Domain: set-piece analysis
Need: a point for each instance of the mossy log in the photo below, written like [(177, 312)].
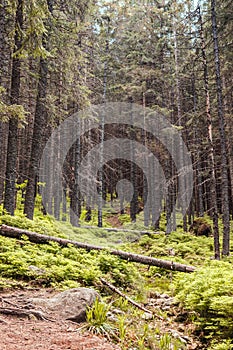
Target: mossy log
[(34, 237)]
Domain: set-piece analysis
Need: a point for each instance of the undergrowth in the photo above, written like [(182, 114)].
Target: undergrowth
[(208, 292), (51, 265), (205, 295)]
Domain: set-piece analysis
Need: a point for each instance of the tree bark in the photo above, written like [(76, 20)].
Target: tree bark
[(11, 162), (179, 117), (133, 171), (213, 194), (6, 26), (76, 203), (13, 232), (222, 132), (39, 129)]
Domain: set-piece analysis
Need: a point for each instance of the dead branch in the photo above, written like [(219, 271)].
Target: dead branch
[(131, 301)]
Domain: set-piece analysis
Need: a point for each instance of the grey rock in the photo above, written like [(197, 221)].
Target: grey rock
[(69, 305), (38, 271), (164, 296), (181, 337), (147, 316)]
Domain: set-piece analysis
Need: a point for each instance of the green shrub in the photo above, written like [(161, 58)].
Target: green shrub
[(97, 320), (97, 313), (122, 273), (225, 345), (209, 293)]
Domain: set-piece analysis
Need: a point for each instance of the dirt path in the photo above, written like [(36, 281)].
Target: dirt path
[(29, 333), (18, 333), (22, 334)]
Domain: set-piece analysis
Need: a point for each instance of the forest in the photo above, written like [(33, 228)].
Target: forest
[(116, 131)]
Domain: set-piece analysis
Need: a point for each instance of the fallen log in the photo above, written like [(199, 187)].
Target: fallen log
[(34, 237)]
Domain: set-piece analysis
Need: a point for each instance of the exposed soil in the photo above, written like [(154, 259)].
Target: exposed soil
[(114, 221), (28, 333)]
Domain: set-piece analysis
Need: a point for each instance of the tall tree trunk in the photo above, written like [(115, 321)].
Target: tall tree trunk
[(39, 129), (37, 140), (179, 116), (3, 151), (88, 194), (11, 162), (146, 182), (64, 203), (221, 119), (102, 127), (173, 170), (214, 209), (5, 79), (133, 173), (57, 193), (76, 192), (101, 174)]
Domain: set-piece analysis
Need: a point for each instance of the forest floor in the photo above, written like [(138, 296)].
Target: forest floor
[(29, 333), (114, 221), (20, 333)]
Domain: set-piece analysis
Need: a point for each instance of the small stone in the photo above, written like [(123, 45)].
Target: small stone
[(37, 270), (111, 317), (147, 316), (164, 296), (171, 252), (117, 311), (180, 337)]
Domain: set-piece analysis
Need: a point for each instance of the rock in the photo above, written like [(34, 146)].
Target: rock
[(147, 316), (70, 304), (164, 296), (38, 271), (112, 316), (183, 338), (171, 252)]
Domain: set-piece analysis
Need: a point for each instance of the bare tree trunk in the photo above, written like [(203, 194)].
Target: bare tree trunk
[(11, 162), (222, 132), (37, 140), (101, 175), (88, 194), (6, 26), (179, 115), (57, 191), (173, 171), (3, 151), (76, 192), (214, 209), (64, 203), (39, 130)]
